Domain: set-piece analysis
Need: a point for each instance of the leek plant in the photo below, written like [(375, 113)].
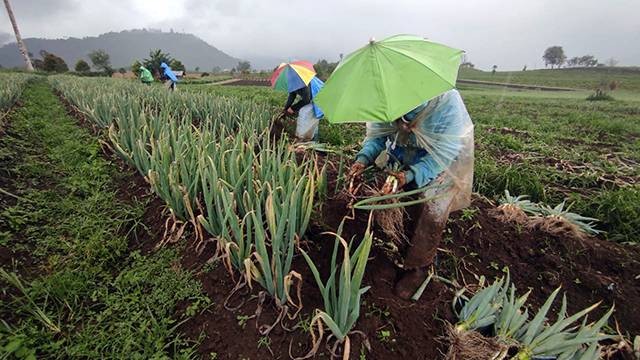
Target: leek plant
[(560, 339), (342, 291), (11, 86), (568, 337), (582, 223), (483, 308), (382, 202), (215, 164)]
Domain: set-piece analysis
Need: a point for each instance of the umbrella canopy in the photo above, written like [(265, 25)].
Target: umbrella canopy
[(386, 79), (292, 76)]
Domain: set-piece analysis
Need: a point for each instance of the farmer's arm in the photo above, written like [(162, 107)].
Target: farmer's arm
[(371, 148), (305, 99), (290, 99), (445, 134)]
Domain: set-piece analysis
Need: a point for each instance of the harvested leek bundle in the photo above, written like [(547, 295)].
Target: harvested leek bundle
[(559, 339), (560, 221), (377, 202), (504, 313), (515, 209), (479, 312)]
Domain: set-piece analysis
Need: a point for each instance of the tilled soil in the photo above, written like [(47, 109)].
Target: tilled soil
[(589, 270)]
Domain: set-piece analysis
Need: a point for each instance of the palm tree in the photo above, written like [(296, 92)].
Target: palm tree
[(21, 46)]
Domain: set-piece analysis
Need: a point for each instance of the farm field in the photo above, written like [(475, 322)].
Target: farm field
[(578, 78), (547, 145), (131, 221)]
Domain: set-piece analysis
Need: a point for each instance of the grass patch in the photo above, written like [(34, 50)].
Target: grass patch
[(106, 301)]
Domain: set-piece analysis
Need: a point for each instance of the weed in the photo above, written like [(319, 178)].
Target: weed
[(468, 213), (242, 320), (384, 336), (265, 342)]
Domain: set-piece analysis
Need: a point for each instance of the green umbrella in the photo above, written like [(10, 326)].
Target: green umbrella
[(386, 79)]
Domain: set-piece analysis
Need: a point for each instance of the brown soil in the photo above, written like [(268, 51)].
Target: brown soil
[(589, 270)]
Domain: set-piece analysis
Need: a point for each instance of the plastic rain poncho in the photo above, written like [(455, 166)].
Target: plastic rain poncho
[(168, 72), (316, 85), (438, 150), (145, 75)]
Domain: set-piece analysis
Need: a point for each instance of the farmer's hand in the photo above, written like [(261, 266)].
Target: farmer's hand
[(356, 169), (290, 111), (395, 182)]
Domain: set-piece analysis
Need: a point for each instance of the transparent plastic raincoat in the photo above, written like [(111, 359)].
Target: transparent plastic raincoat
[(438, 151)]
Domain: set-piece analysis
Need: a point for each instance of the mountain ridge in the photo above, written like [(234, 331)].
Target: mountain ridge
[(124, 47)]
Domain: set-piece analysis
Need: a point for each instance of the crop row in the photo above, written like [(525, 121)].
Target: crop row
[(11, 86), (218, 167)]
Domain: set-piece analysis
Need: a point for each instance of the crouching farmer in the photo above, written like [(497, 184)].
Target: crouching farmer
[(431, 147)]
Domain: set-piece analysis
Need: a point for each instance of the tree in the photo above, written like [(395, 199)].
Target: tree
[(494, 68), (554, 55), (156, 57), (588, 61), (574, 61), (21, 46), (243, 67), (53, 63), (135, 67), (176, 65), (38, 64), (101, 61), (82, 66), (324, 68), (612, 62), (197, 68), (216, 70), (122, 71), (524, 68)]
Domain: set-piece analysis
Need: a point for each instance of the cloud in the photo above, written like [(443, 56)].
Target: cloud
[(42, 8), (508, 33)]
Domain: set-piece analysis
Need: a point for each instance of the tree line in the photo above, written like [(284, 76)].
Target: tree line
[(555, 56), (101, 63)]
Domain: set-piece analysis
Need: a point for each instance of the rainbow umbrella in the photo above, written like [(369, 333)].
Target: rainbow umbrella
[(292, 76)]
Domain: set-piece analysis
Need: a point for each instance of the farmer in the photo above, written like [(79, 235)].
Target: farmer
[(308, 112), (430, 147), (145, 76), (170, 79), (305, 98)]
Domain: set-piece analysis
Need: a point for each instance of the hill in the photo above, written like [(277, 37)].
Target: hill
[(628, 78), (124, 47)]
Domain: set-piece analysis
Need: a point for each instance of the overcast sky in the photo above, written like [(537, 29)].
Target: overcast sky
[(508, 33)]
